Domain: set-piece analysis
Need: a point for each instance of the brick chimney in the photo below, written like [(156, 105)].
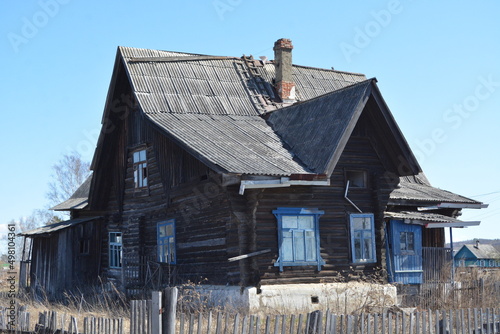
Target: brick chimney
[(283, 65)]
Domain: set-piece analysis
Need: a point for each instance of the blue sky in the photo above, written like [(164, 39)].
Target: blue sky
[(437, 65)]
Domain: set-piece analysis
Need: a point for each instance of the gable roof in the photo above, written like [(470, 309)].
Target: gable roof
[(78, 200), (318, 130), (224, 111), (480, 251), (175, 82), (212, 106)]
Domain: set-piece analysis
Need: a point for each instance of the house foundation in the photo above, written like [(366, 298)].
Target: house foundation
[(301, 298)]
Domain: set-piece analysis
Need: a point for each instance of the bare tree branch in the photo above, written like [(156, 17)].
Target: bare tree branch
[(68, 174)]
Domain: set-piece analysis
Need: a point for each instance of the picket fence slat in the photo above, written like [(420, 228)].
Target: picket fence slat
[(458, 321)]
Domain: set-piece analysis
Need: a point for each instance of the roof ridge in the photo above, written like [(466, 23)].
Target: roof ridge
[(190, 54), (326, 94), (328, 70)]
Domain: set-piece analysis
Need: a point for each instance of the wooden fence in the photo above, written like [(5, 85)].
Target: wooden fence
[(53, 322), (158, 315), (147, 318), (426, 322)]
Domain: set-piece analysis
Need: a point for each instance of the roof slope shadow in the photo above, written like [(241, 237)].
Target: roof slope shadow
[(317, 130)]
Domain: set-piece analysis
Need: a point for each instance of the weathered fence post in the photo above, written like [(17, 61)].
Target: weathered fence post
[(170, 308), (314, 322), (156, 312)]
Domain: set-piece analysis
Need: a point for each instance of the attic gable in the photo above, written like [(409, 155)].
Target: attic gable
[(317, 130)]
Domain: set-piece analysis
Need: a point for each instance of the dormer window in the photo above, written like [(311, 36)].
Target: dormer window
[(140, 169)]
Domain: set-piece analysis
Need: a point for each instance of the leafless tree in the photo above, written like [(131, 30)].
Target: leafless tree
[(36, 219), (68, 174)]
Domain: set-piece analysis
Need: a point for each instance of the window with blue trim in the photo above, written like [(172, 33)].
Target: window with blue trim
[(298, 237), (166, 241), (363, 238), (115, 249)]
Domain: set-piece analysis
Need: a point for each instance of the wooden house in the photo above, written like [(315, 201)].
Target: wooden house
[(245, 173), (477, 255)]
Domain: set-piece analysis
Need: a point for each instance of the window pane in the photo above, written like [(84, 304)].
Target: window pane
[(367, 249), (287, 247), (289, 221), (171, 248), (162, 231), (310, 246), (298, 238), (402, 241), (357, 248), (169, 229), (410, 240), (356, 179), (161, 253), (142, 155), (158, 248), (359, 223), (136, 157), (306, 222), (136, 177)]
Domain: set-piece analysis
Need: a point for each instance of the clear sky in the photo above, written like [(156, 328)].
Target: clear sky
[(437, 65)]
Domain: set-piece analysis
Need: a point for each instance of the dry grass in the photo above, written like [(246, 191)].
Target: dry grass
[(99, 302)]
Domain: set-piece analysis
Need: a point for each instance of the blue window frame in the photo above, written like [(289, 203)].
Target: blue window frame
[(298, 237), (115, 249), (363, 238), (166, 241)]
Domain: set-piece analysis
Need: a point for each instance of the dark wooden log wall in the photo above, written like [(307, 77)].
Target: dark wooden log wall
[(204, 231), (181, 188), (359, 154)]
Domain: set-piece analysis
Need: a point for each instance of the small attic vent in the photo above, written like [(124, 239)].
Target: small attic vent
[(356, 178)]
